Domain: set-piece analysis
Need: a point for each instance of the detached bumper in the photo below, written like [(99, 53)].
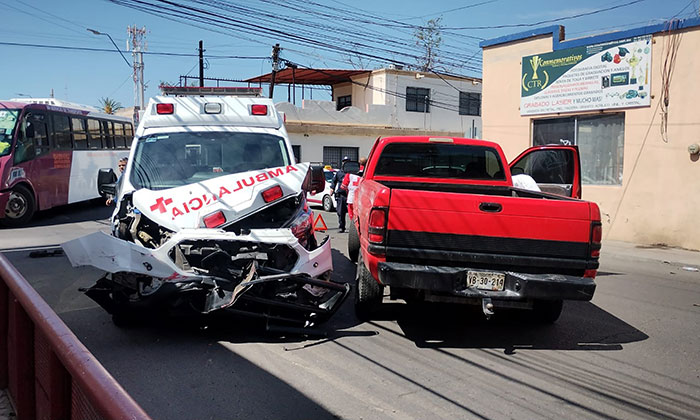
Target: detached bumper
[(518, 286)]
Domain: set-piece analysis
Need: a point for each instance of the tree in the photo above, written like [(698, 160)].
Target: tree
[(428, 38), (109, 105)]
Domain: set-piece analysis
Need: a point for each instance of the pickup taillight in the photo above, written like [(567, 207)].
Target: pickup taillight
[(376, 227), (596, 238)]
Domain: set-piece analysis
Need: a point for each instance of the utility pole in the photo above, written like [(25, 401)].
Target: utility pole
[(136, 44), (201, 63), (275, 66)]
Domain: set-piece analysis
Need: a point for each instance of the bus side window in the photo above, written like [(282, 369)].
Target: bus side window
[(119, 135), (61, 127), (108, 133), (129, 134), (94, 134), (26, 146), (79, 133)]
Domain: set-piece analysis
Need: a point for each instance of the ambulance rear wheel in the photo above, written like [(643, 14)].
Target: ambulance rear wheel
[(20, 207), (327, 203)]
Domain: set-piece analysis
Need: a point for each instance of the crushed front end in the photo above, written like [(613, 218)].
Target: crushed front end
[(266, 263)]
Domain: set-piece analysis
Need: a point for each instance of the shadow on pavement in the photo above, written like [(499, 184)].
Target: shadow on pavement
[(72, 213), (177, 371), (582, 326)]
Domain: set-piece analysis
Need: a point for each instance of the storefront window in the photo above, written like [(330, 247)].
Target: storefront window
[(600, 139)]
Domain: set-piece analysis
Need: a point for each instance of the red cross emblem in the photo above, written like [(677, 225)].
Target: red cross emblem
[(160, 204)]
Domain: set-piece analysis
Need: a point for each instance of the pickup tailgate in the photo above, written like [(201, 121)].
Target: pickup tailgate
[(450, 227)]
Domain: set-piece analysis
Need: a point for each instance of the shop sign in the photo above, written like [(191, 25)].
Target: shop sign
[(614, 74)]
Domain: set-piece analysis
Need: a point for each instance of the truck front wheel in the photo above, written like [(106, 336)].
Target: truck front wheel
[(353, 243), (368, 293), (547, 311)]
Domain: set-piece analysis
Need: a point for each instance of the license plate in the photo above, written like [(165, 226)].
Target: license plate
[(485, 280)]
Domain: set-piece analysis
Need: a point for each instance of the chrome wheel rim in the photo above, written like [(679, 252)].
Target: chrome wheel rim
[(16, 205)]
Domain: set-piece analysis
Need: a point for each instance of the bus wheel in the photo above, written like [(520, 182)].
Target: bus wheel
[(20, 207)]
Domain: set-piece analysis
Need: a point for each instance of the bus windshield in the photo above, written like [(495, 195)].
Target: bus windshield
[(8, 121), (170, 160)]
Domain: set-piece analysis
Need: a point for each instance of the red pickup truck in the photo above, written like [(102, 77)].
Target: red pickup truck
[(438, 219)]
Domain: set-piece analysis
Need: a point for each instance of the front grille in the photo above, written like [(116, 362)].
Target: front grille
[(230, 259)]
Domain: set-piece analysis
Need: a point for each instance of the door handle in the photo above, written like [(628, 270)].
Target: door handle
[(490, 207)]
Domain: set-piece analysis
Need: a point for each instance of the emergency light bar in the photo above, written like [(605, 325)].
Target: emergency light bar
[(211, 90)]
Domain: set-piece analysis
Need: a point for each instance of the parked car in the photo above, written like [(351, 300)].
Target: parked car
[(324, 198)]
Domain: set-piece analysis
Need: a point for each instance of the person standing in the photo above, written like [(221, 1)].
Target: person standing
[(341, 206), (122, 166), (350, 184)]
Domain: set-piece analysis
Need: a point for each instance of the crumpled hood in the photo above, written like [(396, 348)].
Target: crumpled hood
[(236, 195)]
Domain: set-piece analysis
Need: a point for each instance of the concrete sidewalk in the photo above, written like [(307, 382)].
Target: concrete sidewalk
[(683, 257)]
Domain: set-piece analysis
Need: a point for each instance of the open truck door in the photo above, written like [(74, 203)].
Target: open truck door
[(556, 169)]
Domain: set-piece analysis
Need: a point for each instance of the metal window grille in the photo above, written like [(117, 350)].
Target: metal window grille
[(469, 103), (417, 99), (332, 155)]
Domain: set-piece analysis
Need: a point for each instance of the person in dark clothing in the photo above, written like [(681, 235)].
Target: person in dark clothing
[(341, 206)]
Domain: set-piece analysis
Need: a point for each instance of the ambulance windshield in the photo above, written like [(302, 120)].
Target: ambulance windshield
[(170, 160)]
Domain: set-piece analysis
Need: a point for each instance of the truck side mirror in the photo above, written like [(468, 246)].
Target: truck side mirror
[(107, 182), (315, 179)]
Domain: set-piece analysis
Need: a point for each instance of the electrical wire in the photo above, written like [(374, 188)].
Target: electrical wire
[(178, 11), (542, 22), (109, 50)]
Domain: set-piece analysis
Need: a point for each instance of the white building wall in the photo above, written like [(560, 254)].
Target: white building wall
[(444, 109), (312, 144)]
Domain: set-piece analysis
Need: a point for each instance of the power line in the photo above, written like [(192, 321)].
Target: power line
[(542, 22), (170, 54), (179, 12), (469, 6)]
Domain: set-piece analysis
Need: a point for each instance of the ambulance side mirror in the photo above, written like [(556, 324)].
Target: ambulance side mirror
[(106, 182), (315, 179)]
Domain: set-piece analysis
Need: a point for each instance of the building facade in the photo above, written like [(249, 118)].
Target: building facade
[(627, 99), (370, 104)]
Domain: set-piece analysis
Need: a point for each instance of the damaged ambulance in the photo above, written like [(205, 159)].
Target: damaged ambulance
[(211, 214)]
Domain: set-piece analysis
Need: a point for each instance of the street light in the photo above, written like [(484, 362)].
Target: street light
[(115, 45), (24, 94)]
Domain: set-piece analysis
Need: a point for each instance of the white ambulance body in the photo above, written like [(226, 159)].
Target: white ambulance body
[(211, 213)]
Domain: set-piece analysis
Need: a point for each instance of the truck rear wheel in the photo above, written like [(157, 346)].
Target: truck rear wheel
[(368, 293), (353, 243), (547, 311)]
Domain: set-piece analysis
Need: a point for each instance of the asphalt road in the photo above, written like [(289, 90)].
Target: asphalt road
[(631, 353)]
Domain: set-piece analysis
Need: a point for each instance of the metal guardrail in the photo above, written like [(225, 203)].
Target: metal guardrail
[(48, 372)]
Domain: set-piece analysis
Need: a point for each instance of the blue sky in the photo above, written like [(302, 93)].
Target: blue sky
[(86, 76)]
